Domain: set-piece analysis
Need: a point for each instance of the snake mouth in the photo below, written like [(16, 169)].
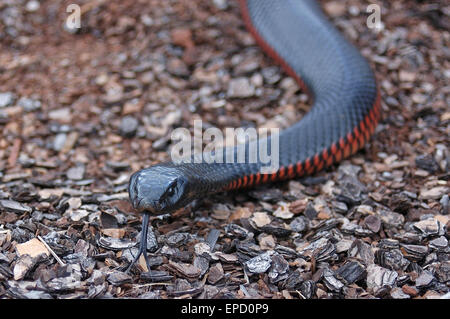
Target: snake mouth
[(136, 202), (142, 206)]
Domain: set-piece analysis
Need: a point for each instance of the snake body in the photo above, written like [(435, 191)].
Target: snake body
[(345, 111)]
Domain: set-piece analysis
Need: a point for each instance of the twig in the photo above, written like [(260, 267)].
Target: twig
[(51, 251)]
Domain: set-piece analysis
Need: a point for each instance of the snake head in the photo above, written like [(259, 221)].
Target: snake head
[(157, 189)]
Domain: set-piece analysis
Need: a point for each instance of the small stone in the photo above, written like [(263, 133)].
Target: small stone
[(283, 211), (236, 231), (310, 212), (221, 4), (414, 252), (212, 238), (439, 243), (147, 20), (115, 243), (391, 219), (202, 249), (343, 245), (69, 142), (128, 126), (182, 37), (6, 99), (429, 227), (279, 269), (202, 263), (397, 293), (266, 242), (247, 65), (298, 206), (13, 206), (298, 224), (74, 203), (267, 195), (118, 278), (406, 76), (259, 264), (76, 173), (152, 241), (177, 239), (362, 251), (424, 280), (351, 272), (62, 115), (308, 288), (240, 88), (294, 280), (25, 264), (32, 6), (220, 211), (78, 214), (379, 278), (331, 281), (365, 209), (184, 269), (215, 273), (226, 258), (388, 243), (28, 104), (59, 141), (433, 193), (431, 294), (271, 74), (257, 80), (427, 162), (326, 252), (177, 67), (69, 281), (373, 223), (339, 207), (156, 276), (445, 204), (401, 203), (392, 259), (442, 272)]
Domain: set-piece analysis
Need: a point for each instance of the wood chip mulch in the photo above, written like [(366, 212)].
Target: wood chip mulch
[(81, 111)]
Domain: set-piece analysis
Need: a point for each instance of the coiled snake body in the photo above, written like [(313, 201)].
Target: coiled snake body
[(345, 112)]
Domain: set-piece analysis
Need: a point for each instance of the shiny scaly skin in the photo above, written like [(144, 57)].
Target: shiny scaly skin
[(345, 112)]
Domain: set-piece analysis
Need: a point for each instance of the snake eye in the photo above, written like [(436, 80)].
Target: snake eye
[(171, 190)]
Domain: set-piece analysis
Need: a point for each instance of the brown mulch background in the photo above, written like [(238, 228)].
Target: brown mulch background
[(81, 111)]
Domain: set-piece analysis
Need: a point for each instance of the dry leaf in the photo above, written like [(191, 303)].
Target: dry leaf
[(261, 219), (33, 247), (241, 212)]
